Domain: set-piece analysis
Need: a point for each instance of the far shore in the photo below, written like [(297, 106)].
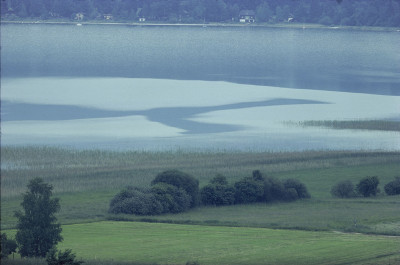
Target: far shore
[(211, 24)]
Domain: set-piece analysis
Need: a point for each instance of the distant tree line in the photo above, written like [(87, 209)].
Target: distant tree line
[(327, 12), (175, 191)]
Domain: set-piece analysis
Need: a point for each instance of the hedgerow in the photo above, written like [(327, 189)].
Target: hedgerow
[(174, 192)]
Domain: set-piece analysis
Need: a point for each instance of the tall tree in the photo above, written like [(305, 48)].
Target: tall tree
[(37, 227)]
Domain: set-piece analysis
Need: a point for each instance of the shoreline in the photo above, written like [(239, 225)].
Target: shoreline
[(205, 25)]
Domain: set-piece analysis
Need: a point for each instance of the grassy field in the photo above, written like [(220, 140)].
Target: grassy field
[(177, 244), (85, 181)]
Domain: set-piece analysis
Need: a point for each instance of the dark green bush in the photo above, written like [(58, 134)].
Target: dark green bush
[(8, 246), (180, 180), (208, 195), (265, 189), (393, 187), (61, 257), (368, 186), (219, 180), (135, 201), (273, 190), (343, 189), (291, 194), (248, 190), (172, 199), (225, 195), (299, 187), (257, 176), (218, 192)]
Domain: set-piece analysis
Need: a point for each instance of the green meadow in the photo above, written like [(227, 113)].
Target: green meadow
[(148, 243), (320, 230)]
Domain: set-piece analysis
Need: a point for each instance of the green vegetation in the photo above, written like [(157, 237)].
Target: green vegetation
[(377, 125), (368, 186), (66, 257), (177, 244), (136, 201), (343, 189), (218, 192), (182, 181), (252, 189), (8, 246), (86, 181), (38, 230), (393, 187), (172, 191)]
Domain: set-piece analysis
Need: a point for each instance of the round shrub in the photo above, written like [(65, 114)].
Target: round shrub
[(180, 180), (273, 189), (393, 187), (343, 189), (300, 188), (172, 199), (135, 201), (257, 175), (218, 192), (225, 195), (208, 194), (249, 190), (368, 186), (219, 180), (291, 194)]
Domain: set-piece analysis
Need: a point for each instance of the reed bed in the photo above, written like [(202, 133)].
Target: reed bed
[(377, 125), (71, 170)]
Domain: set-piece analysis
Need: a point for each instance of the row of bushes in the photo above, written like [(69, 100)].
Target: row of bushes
[(367, 187), (252, 189), (174, 192)]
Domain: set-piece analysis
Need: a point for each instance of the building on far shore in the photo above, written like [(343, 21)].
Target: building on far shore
[(247, 16), (79, 16), (108, 16)]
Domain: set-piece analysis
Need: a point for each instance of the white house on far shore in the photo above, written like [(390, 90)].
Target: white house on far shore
[(247, 16)]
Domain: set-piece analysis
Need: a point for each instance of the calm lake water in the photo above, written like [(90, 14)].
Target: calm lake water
[(116, 86)]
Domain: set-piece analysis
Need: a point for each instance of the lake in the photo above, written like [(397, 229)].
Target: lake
[(173, 87)]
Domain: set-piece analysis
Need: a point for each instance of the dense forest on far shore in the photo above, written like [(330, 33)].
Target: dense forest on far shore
[(327, 12)]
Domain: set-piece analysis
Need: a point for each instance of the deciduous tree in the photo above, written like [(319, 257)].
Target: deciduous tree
[(37, 227)]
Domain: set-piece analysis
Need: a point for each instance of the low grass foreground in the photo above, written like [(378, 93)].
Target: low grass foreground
[(155, 243)]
